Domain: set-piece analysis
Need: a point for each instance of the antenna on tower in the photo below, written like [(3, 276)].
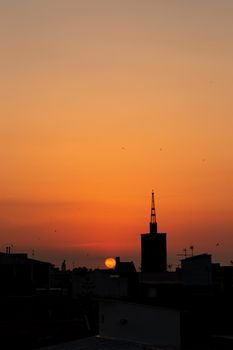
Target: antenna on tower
[(153, 215), (153, 223)]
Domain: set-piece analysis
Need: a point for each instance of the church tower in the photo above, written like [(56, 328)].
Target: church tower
[(153, 246)]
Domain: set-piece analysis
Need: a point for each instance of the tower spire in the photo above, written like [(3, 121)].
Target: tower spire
[(153, 223)]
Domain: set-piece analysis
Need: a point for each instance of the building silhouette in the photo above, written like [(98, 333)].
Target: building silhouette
[(153, 246)]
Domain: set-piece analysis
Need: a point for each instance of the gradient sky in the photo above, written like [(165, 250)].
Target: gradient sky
[(103, 101)]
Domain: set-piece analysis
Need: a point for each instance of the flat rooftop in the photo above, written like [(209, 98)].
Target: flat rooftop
[(98, 343)]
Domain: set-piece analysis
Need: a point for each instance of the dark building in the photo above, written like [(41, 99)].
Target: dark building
[(20, 274), (124, 268), (153, 246)]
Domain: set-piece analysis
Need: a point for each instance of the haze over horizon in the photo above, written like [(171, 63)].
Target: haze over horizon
[(103, 101)]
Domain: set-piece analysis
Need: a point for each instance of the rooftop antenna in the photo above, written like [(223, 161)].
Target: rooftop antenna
[(8, 249), (184, 255), (191, 248)]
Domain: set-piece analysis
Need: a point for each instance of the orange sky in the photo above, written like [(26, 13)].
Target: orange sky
[(101, 101)]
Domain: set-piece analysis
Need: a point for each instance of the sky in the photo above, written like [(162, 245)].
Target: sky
[(103, 101)]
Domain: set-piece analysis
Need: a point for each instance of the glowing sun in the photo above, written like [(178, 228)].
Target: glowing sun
[(110, 263)]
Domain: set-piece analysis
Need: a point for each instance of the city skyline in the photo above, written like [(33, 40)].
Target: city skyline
[(103, 102)]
